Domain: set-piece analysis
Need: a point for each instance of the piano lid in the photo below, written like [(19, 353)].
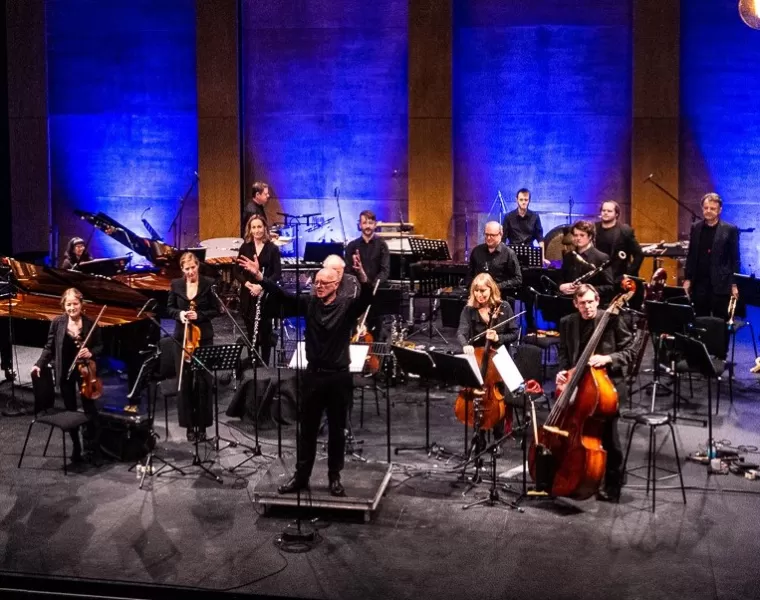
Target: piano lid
[(154, 250), (47, 281)]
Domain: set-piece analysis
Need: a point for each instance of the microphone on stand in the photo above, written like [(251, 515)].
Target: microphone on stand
[(145, 306), (198, 177), (649, 177)]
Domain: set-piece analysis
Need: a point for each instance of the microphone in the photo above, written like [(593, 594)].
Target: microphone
[(336, 191), (649, 177), (145, 306), (198, 177)]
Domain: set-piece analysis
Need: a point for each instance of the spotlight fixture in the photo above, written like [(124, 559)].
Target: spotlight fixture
[(749, 11)]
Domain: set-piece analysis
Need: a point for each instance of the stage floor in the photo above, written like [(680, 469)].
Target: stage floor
[(191, 531)]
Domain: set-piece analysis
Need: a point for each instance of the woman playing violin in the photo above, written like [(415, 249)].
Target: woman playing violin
[(191, 302), (63, 347), (258, 244), (483, 302)]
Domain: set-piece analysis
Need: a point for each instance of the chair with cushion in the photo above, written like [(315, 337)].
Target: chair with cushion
[(67, 421)]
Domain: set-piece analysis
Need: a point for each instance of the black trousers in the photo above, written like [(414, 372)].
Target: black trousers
[(264, 339), (707, 304), (613, 477), (323, 392), (194, 402), (91, 432)]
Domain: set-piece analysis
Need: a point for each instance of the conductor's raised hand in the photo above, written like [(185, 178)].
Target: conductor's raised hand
[(250, 265), (359, 268)]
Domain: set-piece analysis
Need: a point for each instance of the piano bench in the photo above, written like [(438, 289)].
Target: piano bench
[(66, 421)]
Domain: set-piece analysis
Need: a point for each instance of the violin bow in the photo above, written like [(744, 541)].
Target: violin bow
[(87, 339), (499, 324)]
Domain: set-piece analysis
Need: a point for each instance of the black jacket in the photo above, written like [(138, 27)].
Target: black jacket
[(470, 325), (724, 258), (624, 239), (617, 342), (53, 349), (206, 307), (572, 268), (269, 260)]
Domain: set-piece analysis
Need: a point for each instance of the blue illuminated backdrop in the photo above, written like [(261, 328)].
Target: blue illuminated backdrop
[(542, 99), (720, 117), (123, 117), (325, 107)]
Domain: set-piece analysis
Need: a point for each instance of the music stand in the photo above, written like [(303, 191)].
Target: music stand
[(417, 362), (529, 257), (697, 357), (212, 359), (429, 249)]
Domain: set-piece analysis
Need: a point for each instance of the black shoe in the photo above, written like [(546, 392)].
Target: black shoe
[(10, 374), (293, 485), (336, 488), (609, 494), (201, 436), (190, 435)]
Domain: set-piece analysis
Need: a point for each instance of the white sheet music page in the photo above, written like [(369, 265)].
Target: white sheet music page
[(508, 370), (472, 361)]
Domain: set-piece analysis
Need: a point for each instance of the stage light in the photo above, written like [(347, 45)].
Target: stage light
[(749, 11)]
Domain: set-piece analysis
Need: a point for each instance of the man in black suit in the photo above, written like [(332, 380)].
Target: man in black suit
[(614, 352), (712, 261), (583, 259), (613, 238), (497, 259)]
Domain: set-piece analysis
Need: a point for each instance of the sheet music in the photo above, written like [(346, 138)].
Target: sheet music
[(358, 353), (508, 370), (472, 361)]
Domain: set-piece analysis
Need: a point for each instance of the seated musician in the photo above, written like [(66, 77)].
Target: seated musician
[(194, 410), (496, 259), (484, 298), (257, 243), (583, 259), (615, 351), (348, 286), (75, 253), (63, 347)]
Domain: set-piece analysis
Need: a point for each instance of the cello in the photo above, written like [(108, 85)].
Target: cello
[(482, 408), (572, 432)]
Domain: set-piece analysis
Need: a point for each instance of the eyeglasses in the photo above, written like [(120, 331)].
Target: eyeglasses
[(323, 283), (492, 234)]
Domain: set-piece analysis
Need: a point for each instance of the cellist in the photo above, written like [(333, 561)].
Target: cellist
[(483, 302), (194, 410), (614, 351)]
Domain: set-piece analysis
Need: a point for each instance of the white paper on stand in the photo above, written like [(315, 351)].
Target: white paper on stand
[(508, 370), (473, 362), (358, 353)]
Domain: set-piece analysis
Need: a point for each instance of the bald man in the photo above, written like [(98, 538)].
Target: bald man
[(496, 259), (330, 319), (349, 284)]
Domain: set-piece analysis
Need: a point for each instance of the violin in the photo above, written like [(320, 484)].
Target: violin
[(90, 385), (372, 362), (191, 339), (482, 408)]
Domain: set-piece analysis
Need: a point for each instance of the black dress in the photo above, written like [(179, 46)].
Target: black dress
[(269, 261), (193, 409)]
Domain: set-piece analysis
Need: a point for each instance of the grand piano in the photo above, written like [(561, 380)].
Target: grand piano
[(32, 296)]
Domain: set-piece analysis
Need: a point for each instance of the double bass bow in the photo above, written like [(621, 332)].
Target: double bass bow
[(572, 432), (90, 385)]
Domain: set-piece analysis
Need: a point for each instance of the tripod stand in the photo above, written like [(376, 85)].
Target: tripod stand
[(493, 498)]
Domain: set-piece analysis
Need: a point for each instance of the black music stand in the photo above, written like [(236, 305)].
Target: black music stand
[(697, 357), (457, 370), (529, 257), (429, 249), (417, 362), (424, 249)]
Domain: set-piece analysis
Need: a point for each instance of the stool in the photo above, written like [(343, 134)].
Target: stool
[(653, 421), (66, 421)]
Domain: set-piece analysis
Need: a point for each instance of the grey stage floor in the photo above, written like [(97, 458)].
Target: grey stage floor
[(193, 532)]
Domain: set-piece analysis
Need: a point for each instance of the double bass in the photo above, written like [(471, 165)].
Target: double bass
[(571, 435), (482, 408)]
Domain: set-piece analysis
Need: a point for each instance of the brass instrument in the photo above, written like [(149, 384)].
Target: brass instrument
[(731, 310)]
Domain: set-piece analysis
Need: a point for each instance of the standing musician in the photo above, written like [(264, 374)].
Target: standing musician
[(259, 198), (613, 238), (496, 259), (63, 347), (476, 315), (615, 351), (522, 227), (75, 254), (258, 244), (584, 259), (375, 258), (712, 261), (348, 284), (194, 410), (330, 319)]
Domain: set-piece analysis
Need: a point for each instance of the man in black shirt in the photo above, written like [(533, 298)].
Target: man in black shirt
[(496, 259), (614, 351), (256, 206), (327, 385), (712, 260), (617, 241), (522, 226), (584, 259)]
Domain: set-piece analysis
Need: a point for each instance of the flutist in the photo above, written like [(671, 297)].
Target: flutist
[(584, 259)]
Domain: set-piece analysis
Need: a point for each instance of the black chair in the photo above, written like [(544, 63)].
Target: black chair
[(66, 421), (527, 358), (552, 309)]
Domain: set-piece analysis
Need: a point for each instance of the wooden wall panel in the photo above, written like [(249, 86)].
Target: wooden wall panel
[(219, 197), (431, 167)]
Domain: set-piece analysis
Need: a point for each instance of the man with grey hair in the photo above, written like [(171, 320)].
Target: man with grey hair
[(496, 259), (349, 284)]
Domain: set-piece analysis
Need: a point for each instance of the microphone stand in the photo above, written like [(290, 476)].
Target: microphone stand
[(650, 179), (256, 450), (176, 223), (12, 409), (502, 206)]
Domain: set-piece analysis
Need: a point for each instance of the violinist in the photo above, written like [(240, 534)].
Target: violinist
[(76, 253), (65, 337), (484, 300), (191, 302), (615, 351), (257, 243)]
